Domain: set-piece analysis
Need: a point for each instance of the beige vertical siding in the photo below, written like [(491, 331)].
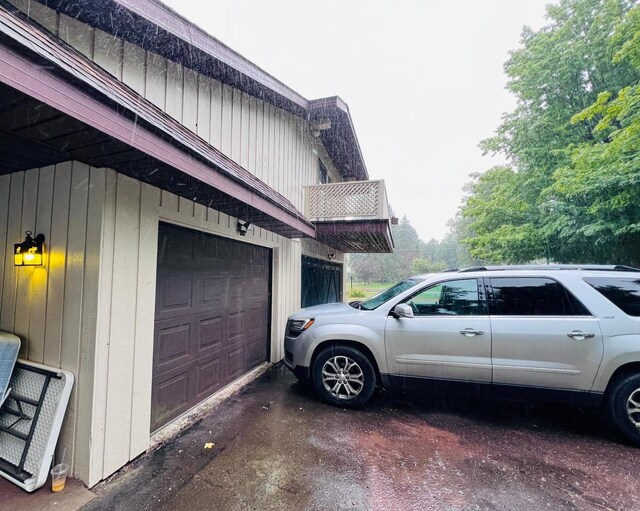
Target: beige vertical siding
[(53, 308), (312, 248)]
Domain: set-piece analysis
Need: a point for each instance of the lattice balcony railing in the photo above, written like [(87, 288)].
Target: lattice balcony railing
[(353, 200)]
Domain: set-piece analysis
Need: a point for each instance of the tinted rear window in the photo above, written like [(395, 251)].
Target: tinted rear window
[(532, 296), (623, 293)]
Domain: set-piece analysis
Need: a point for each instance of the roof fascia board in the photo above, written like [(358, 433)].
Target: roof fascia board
[(186, 43), (169, 20)]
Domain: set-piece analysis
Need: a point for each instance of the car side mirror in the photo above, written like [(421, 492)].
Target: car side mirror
[(402, 310)]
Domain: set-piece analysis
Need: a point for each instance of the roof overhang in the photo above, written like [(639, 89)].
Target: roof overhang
[(129, 133), (340, 139), (157, 28), (356, 236)]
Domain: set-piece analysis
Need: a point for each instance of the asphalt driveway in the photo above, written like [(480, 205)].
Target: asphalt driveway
[(274, 446)]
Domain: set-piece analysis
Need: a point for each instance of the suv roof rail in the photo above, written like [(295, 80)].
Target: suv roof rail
[(593, 267), (473, 268)]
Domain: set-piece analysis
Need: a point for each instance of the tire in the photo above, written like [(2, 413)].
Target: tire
[(619, 406), (343, 376)]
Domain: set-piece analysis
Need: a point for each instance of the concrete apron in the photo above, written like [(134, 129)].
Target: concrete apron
[(273, 445), (14, 498), (75, 494), (187, 419)]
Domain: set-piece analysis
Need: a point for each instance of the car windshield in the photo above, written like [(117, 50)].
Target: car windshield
[(375, 301)]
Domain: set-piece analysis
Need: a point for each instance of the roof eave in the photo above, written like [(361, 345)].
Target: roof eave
[(340, 140), (80, 89)]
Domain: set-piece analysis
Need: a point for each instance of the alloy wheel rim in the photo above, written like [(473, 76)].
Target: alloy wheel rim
[(342, 377), (633, 408)]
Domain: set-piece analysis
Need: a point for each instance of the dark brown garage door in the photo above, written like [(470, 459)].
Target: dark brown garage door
[(212, 317)]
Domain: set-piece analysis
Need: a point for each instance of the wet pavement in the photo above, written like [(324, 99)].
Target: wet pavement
[(275, 446)]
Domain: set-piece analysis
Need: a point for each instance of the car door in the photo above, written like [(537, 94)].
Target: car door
[(542, 335), (448, 337)]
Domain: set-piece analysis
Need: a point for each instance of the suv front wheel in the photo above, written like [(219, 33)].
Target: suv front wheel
[(622, 407), (343, 376)]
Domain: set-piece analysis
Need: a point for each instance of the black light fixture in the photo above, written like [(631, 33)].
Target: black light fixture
[(243, 227), (30, 251)]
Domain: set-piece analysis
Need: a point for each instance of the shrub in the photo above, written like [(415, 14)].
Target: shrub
[(357, 292)]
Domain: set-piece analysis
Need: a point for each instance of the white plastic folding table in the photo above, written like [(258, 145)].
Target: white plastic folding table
[(30, 422)]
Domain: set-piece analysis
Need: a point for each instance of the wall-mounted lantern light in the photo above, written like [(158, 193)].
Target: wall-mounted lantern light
[(29, 252), (243, 227)]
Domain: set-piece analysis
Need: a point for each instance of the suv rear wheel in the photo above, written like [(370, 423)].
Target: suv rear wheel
[(343, 376), (622, 407)]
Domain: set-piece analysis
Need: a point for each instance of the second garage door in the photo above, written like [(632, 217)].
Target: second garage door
[(321, 282), (212, 317)]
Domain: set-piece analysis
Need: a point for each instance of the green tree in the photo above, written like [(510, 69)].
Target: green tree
[(503, 219), (421, 265), (412, 255), (600, 186), (452, 251), (367, 268), (574, 84)]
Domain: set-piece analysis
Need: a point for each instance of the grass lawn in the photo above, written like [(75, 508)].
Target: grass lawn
[(370, 289)]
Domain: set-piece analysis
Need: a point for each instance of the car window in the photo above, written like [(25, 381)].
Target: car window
[(532, 296), (453, 298), (623, 293), (386, 295)]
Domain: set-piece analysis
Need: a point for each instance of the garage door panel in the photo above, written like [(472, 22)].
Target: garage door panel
[(258, 288), (170, 397), (256, 352), (236, 326), (236, 293), (176, 248), (212, 317), (174, 295), (212, 332), (172, 342), (235, 363), (209, 377), (213, 292), (255, 319), (208, 247)]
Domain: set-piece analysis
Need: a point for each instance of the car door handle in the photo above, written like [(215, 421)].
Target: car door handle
[(579, 335), (471, 332)]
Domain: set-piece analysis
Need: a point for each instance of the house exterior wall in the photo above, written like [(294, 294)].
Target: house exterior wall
[(90, 309), (53, 308)]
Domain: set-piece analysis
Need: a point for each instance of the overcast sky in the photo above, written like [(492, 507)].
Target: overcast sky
[(423, 79)]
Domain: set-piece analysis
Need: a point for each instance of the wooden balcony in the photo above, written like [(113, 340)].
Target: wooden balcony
[(352, 216)]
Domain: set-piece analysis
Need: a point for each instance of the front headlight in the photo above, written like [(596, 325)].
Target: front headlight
[(297, 326)]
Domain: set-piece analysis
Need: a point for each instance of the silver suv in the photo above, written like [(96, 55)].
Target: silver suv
[(559, 332)]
